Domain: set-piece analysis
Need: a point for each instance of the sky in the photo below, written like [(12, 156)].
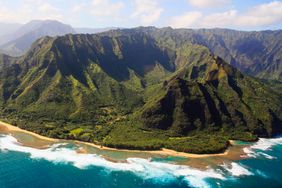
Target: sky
[(234, 14)]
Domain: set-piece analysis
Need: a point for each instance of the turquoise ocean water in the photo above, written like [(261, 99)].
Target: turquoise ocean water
[(61, 166)]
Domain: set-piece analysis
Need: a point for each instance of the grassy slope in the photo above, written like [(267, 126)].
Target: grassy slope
[(201, 115), (254, 53), (93, 88)]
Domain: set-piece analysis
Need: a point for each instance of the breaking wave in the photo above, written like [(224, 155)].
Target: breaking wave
[(145, 168), (236, 169), (264, 144)]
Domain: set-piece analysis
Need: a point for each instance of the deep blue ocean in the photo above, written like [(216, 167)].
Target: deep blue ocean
[(61, 166)]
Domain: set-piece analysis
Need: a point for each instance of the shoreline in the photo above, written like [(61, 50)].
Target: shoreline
[(163, 151), (15, 128)]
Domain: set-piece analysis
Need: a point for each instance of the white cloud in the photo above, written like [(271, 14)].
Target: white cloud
[(106, 8), (187, 20), (208, 3), (47, 11), (29, 10), (147, 11), (47, 8), (222, 19), (143, 12), (264, 14), (78, 8), (261, 15)]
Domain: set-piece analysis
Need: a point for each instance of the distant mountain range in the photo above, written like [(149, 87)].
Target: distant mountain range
[(257, 53), (16, 39), (254, 53), (18, 42), (146, 88)]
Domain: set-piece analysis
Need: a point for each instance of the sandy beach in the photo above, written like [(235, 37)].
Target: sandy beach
[(163, 151), (10, 127), (166, 152)]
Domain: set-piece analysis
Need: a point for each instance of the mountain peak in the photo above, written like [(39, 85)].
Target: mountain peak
[(32, 31), (138, 81)]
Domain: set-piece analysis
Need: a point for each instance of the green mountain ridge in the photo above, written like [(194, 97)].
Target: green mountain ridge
[(257, 53), (222, 97), (130, 90)]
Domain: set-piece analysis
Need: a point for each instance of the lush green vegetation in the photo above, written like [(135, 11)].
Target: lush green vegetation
[(136, 90), (130, 135), (256, 53)]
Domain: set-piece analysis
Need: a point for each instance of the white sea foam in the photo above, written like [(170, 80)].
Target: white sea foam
[(147, 169), (266, 155), (236, 169), (260, 147), (249, 152), (57, 153), (266, 143)]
